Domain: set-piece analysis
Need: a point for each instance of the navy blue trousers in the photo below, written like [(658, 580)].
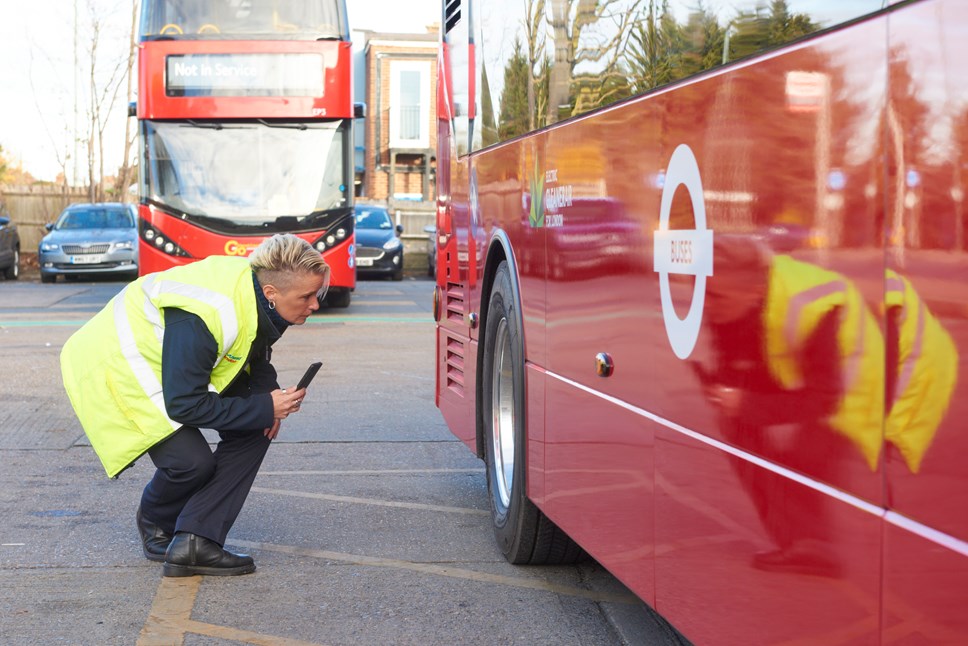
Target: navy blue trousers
[(198, 490)]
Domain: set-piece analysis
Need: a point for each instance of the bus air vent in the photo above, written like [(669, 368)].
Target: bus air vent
[(455, 366), (454, 300)]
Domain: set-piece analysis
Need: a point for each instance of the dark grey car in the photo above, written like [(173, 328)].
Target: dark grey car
[(9, 247), (91, 239), (379, 250), (431, 231)]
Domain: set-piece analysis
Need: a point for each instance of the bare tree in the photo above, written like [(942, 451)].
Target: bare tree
[(103, 95), (63, 156), (588, 31), (126, 171)]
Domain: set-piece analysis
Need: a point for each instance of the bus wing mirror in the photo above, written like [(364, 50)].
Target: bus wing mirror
[(133, 109), (359, 110)]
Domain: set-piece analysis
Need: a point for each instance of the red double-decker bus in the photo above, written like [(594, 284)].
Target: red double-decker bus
[(700, 303), (246, 114)]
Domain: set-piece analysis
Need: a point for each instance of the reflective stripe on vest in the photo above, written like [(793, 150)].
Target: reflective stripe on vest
[(112, 366), (927, 372), (152, 288), (800, 295), (136, 361)]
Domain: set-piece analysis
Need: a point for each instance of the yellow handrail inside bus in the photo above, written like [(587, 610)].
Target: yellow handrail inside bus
[(171, 28), (208, 28)]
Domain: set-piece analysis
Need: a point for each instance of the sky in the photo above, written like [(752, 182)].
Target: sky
[(38, 99)]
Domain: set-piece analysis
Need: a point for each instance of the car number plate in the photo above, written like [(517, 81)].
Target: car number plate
[(364, 262), (87, 260)]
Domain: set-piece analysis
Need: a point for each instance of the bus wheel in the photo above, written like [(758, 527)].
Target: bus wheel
[(524, 534)]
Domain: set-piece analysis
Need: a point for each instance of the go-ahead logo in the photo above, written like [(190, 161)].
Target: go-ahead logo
[(236, 248), (683, 251)]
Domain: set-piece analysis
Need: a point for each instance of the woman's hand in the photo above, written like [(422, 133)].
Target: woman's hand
[(273, 432), (286, 401)]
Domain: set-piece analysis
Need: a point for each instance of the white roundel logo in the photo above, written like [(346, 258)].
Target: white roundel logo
[(683, 251)]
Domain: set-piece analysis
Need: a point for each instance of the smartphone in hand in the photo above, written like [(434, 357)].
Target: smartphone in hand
[(309, 374)]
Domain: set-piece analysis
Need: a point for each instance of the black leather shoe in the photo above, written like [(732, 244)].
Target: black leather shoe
[(190, 554), (154, 540)]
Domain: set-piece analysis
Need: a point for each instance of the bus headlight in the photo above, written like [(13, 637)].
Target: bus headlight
[(153, 236)]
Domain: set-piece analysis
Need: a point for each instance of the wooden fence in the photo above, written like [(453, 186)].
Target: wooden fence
[(31, 207)]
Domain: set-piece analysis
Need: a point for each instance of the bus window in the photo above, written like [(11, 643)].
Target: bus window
[(459, 49), (238, 19), (540, 66)]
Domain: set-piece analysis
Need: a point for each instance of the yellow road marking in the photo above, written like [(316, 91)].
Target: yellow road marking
[(170, 610), (246, 636), (373, 501), (170, 619), (440, 570)]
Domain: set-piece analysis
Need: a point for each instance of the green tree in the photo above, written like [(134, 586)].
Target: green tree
[(784, 26), (766, 27), (704, 40), (656, 47), (514, 112), (3, 166)]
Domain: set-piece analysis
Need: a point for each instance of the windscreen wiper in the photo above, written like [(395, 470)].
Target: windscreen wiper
[(291, 126), (198, 124)]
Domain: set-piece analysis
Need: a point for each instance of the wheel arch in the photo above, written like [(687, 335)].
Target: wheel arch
[(499, 249)]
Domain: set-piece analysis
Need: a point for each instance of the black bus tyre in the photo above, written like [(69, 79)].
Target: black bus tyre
[(523, 533)]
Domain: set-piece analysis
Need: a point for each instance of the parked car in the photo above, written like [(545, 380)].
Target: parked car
[(379, 250), (431, 231), (91, 239), (9, 247)]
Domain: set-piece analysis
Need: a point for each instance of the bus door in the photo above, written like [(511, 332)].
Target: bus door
[(456, 250)]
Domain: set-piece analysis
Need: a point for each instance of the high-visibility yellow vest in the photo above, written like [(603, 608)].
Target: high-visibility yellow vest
[(799, 296), (112, 366), (927, 371)]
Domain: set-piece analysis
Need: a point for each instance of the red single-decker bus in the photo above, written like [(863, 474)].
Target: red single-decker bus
[(702, 274)]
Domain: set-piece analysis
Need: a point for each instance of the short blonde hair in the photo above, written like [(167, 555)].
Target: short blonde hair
[(278, 258)]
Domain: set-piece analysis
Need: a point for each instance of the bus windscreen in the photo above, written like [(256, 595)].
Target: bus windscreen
[(246, 174)]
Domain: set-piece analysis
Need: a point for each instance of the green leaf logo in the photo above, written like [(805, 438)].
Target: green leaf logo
[(536, 217)]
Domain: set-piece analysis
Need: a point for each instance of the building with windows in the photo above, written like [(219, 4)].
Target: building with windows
[(396, 76)]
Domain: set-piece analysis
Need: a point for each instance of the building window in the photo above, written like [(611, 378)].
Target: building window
[(409, 104)]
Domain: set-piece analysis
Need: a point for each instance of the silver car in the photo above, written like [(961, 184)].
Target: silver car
[(91, 239)]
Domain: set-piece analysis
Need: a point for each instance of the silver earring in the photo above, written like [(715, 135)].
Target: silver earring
[(272, 305)]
